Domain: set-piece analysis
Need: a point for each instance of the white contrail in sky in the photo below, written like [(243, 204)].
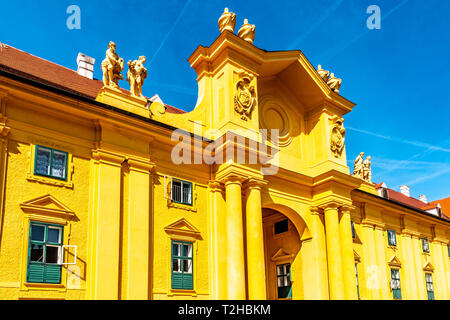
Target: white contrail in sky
[(170, 31), (405, 141)]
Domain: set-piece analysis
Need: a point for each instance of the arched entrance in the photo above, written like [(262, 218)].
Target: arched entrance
[(282, 247)]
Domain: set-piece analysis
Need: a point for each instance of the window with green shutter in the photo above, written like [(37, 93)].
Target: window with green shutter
[(44, 252), (395, 284), (429, 283), (50, 163), (182, 265), (392, 239), (284, 282)]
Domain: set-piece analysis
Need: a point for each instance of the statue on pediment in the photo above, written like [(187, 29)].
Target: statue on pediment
[(136, 75), (324, 74), (367, 171), (358, 166), (227, 21), (334, 83), (247, 31), (112, 67)]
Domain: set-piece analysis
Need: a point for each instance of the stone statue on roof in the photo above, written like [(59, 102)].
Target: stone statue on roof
[(136, 75), (227, 21), (112, 66), (334, 83), (358, 166), (324, 74), (367, 171), (247, 31)]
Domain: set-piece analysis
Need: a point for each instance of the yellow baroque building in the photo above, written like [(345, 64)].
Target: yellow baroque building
[(98, 200)]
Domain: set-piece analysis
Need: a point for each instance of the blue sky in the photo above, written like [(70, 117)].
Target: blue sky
[(398, 75)]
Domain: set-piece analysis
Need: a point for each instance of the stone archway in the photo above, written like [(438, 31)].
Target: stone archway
[(285, 233)]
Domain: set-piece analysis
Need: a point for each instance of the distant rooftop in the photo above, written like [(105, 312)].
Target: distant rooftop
[(26, 65)]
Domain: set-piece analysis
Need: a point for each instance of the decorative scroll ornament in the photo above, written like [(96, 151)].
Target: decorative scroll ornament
[(337, 137), (247, 31), (112, 66), (324, 74), (334, 83), (136, 75), (227, 21), (245, 95)]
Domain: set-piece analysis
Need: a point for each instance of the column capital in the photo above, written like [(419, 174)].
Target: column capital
[(346, 208), (233, 180), (372, 224), (254, 183), (215, 185), (105, 156), (140, 164), (314, 210)]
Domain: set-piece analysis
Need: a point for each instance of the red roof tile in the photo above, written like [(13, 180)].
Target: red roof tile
[(34, 68), (445, 207)]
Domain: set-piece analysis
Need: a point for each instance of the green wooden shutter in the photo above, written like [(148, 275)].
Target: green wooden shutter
[(177, 280), (188, 282), (52, 273), (36, 273)]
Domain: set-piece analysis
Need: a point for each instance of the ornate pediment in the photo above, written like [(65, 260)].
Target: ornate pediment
[(282, 255), (183, 228), (47, 205), (394, 262), (428, 267)]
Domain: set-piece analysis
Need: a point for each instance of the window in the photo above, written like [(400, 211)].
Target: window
[(429, 283), (182, 265), (448, 250), (392, 240), (395, 284), (284, 283), (353, 229), (44, 253), (357, 280), (281, 226), (182, 191), (425, 245), (50, 163)]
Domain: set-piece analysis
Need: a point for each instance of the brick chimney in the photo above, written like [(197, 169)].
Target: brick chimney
[(405, 190), (85, 66), (423, 198)]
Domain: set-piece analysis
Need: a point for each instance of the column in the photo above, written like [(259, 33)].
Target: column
[(408, 285), (256, 272), (4, 131), (439, 277), (138, 211), (235, 240), (104, 226), (370, 261), (445, 256), (218, 242), (335, 278), (320, 256), (348, 258), (419, 276), (380, 244)]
